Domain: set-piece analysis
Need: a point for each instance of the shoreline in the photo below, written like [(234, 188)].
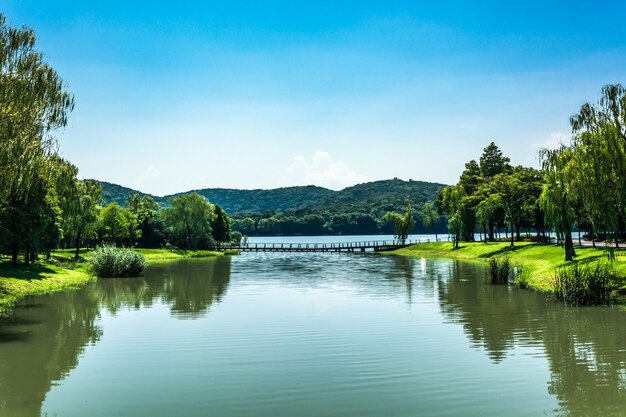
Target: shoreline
[(539, 260), (63, 273)]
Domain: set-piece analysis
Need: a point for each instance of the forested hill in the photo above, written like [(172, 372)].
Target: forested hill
[(386, 192)]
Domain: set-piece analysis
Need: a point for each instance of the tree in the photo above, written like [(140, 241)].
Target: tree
[(403, 223), (430, 217), (149, 220), (492, 162), (118, 225), (449, 202), (81, 210), (188, 221), (33, 103), (220, 225), (555, 196)]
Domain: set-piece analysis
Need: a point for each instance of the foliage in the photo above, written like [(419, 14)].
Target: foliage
[(402, 223), (586, 284), (110, 261), (117, 225), (500, 270), (490, 196), (33, 103), (311, 210), (188, 221), (429, 216)]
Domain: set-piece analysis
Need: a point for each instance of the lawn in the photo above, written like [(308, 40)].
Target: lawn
[(540, 260)]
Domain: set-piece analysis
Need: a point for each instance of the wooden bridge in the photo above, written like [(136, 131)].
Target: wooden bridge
[(374, 245)]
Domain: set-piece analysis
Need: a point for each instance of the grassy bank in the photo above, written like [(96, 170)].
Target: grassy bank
[(538, 260), (42, 278), (61, 272)]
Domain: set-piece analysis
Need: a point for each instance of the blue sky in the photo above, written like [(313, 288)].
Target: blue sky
[(183, 95)]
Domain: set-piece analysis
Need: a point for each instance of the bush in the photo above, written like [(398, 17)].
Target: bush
[(109, 261), (500, 270), (522, 277), (587, 284)]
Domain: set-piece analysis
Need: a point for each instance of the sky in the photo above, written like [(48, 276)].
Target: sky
[(173, 96)]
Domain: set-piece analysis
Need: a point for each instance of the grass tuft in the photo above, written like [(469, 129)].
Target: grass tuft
[(585, 284)]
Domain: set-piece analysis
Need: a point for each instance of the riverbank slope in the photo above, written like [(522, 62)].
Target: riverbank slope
[(539, 260), (61, 272)]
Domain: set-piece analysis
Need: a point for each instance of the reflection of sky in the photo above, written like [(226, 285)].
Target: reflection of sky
[(253, 90)]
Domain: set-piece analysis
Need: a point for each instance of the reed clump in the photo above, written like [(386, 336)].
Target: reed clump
[(500, 270), (110, 261), (585, 284)]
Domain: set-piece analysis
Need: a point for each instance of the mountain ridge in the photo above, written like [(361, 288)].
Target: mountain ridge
[(295, 197)]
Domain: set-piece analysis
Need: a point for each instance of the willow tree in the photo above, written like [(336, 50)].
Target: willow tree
[(555, 197), (33, 103), (450, 202), (402, 222), (430, 217), (188, 221)]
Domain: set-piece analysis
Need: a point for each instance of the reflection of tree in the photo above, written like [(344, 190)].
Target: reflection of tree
[(41, 344), (196, 285), (189, 286), (43, 341), (585, 347)]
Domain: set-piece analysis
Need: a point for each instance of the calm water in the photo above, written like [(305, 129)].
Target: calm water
[(310, 335)]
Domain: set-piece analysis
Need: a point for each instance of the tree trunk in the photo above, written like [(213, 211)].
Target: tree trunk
[(14, 250), (593, 237), (491, 237), (512, 236), (580, 242), (76, 255), (569, 246), (27, 255)]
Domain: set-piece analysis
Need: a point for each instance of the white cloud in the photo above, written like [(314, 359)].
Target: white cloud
[(555, 140), (149, 175), (321, 170)]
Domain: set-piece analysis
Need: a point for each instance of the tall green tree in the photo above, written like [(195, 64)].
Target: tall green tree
[(220, 225), (33, 103), (188, 221), (555, 196)]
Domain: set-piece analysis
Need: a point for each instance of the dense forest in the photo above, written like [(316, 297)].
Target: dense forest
[(311, 210)]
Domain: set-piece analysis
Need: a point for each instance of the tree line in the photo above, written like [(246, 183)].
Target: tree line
[(581, 185), (339, 221), (43, 203)]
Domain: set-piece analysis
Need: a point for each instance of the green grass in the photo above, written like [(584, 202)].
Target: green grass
[(538, 260), (62, 272), (165, 255), (42, 278)]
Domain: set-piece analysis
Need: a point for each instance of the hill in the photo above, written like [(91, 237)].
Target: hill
[(384, 193)]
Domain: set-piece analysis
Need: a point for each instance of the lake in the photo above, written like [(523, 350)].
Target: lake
[(310, 334)]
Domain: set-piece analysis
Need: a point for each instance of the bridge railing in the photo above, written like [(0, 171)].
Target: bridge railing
[(328, 246)]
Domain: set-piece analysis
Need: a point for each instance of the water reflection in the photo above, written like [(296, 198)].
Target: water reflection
[(41, 344), (44, 339), (189, 287), (585, 347)]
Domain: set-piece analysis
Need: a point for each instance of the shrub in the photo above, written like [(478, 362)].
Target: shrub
[(109, 261), (587, 284), (522, 277), (500, 270)]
